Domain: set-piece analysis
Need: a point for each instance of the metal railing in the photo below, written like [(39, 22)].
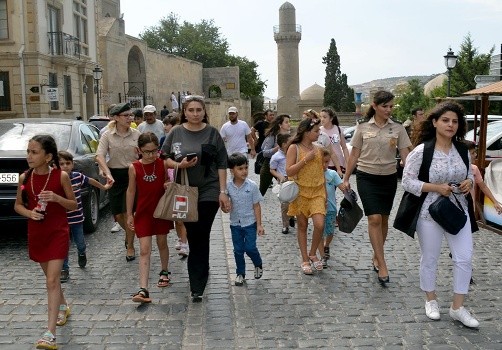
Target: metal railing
[(63, 44), (295, 28)]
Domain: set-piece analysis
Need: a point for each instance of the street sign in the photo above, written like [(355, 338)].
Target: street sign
[(486, 79), (35, 89), (52, 94)]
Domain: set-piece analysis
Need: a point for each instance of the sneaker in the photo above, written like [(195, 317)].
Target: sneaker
[(432, 310), (292, 221), (285, 230), (116, 227), (65, 276), (184, 250), (464, 316), (64, 312), (82, 260), (324, 262), (178, 245), (239, 280), (48, 341), (258, 272), (326, 253)]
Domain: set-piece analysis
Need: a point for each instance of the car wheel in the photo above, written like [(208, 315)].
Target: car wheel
[(91, 212)]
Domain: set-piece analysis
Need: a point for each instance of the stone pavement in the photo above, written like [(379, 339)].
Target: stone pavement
[(342, 307)]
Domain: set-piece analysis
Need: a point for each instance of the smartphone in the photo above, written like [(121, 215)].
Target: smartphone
[(191, 156)]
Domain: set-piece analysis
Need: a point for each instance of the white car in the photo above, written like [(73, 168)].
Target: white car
[(493, 139)]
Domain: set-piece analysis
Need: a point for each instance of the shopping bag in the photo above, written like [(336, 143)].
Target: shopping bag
[(350, 212), (179, 201)]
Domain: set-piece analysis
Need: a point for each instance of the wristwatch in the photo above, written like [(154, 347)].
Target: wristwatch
[(224, 191)]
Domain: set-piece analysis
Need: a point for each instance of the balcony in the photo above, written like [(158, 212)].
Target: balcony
[(62, 44)]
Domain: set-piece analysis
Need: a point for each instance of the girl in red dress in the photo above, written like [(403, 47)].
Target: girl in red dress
[(44, 194), (146, 184)]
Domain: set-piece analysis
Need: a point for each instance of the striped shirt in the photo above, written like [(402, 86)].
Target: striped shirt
[(77, 181)]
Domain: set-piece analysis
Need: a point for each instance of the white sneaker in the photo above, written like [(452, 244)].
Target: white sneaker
[(239, 280), (178, 245), (184, 250), (462, 315), (116, 227), (432, 310)]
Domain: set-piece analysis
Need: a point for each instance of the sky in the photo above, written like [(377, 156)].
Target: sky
[(375, 38)]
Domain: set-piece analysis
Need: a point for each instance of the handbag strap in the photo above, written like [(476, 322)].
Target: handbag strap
[(458, 203), (184, 177)]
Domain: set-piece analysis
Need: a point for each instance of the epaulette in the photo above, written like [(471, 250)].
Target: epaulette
[(396, 120), (362, 120)]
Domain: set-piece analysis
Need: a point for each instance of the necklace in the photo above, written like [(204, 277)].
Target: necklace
[(45, 185), (149, 178), (307, 147)]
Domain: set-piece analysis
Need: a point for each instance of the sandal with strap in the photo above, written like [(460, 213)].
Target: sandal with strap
[(306, 268), (316, 262), (64, 312), (142, 296), (164, 282), (48, 341)]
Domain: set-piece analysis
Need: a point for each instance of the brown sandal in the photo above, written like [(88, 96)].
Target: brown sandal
[(142, 296), (164, 279)]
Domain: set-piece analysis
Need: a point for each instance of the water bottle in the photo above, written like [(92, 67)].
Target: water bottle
[(41, 207)]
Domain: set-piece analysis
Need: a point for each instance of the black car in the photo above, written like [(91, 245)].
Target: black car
[(75, 136)]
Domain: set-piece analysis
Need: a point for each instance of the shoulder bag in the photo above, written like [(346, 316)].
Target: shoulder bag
[(449, 216), (289, 189), (179, 201)]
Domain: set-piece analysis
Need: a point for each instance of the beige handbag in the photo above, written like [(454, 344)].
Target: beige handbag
[(179, 202)]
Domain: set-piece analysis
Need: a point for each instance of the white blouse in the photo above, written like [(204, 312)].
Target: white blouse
[(445, 168)]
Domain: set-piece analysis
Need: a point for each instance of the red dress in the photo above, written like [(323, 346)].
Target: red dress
[(147, 197), (48, 239)]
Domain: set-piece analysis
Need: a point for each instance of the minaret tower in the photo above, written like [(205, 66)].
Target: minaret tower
[(287, 35)]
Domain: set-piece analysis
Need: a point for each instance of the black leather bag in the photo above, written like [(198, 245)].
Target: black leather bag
[(408, 212), (350, 212), (258, 162), (449, 216)]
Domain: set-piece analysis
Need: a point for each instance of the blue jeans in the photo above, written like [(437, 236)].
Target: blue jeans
[(77, 236), (244, 241)]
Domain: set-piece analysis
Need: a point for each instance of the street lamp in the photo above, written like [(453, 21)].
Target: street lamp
[(97, 74), (450, 61)]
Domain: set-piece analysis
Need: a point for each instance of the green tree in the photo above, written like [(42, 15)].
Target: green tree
[(203, 42), (337, 92), (409, 97)]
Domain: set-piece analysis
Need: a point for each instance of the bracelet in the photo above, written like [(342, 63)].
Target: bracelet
[(304, 161)]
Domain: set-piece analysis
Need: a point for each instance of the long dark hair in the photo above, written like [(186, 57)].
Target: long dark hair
[(332, 115), (48, 144), (305, 125), (192, 98), (380, 97), (426, 130), (275, 124)]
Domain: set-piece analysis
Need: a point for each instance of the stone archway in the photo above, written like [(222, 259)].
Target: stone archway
[(214, 91), (136, 74)]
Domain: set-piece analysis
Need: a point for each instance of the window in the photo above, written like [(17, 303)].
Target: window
[(4, 24), (55, 40), (53, 82), (4, 92), (67, 92), (80, 24)]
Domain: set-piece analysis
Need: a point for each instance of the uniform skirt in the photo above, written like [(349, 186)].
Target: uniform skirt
[(117, 193), (377, 192)]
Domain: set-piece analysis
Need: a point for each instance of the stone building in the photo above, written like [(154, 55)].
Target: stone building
[(49, 49)]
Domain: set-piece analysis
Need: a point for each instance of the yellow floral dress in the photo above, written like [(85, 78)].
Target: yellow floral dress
[(312, 193)]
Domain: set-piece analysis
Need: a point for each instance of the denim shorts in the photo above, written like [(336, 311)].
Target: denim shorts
[(329, 223)]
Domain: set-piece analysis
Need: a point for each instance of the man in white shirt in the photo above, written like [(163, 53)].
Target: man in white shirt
[(151, 122), (235, 133)]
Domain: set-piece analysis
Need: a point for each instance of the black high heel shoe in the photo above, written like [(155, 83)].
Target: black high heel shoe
[(383, 280), (375, 268)]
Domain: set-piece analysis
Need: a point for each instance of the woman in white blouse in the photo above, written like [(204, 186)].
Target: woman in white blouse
[(448, 173)]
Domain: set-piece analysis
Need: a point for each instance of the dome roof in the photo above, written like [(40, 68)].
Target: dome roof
[(314, 92), (434, 83)]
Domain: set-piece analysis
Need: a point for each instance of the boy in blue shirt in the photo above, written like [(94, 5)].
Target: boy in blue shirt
[(333, 181), (245, 217), (76, 217)]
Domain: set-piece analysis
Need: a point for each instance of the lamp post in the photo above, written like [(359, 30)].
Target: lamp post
[(97, 74), (450, 61)]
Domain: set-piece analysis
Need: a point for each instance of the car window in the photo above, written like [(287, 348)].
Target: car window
[(88, 139), (496, 146), (15, 136)]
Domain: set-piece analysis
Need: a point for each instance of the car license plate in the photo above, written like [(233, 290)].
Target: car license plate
[(9, 178)]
